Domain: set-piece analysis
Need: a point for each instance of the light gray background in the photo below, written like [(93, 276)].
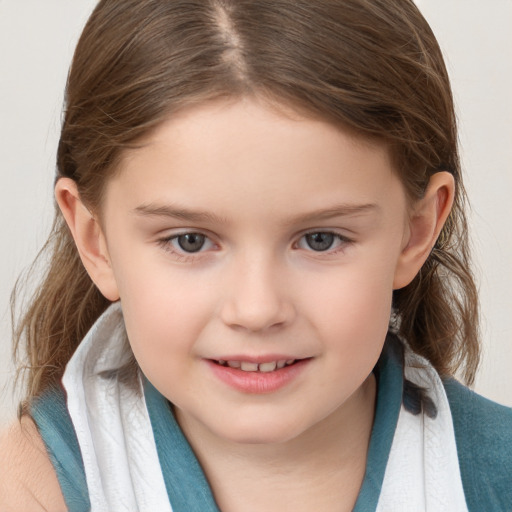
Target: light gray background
[(37, 39)]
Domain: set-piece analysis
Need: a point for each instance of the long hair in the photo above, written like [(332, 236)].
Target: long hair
[(371, 66)]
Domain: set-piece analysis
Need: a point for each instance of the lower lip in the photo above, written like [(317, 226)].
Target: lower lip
[(258, 382)]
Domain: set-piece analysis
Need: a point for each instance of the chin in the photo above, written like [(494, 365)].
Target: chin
[(260, 432)]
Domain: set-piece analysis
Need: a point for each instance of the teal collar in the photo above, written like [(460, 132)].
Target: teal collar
[(389, 373), (186, 484)]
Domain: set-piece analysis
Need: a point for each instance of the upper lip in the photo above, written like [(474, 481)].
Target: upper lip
[(268, 358)]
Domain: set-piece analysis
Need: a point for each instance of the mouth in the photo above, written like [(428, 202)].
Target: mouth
[(258, 377), (249, 366)]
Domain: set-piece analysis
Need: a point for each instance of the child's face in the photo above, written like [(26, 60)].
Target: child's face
[(295, 231)]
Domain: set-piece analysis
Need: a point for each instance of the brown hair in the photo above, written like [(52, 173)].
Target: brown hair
[(372, 66)]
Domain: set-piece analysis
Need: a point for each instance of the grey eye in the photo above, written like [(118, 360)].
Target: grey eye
[(320, 241), (191, 242)]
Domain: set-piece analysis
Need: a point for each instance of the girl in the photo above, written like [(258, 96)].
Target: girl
[(258, 289)]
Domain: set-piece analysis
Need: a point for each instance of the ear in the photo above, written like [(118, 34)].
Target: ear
[(89, 238), (425, 223)]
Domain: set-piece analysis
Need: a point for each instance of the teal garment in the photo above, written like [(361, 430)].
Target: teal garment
[(54, 424), (389, 375), (483, 433), (186, 484)]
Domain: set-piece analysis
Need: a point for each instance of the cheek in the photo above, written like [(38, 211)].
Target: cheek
[(355, 291), (155, 289), (352, 311), (360, 315), (164, 313)]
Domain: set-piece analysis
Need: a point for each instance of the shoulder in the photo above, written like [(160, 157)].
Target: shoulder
[(27, 478), (483, 433), (50, 414), (479, 419)]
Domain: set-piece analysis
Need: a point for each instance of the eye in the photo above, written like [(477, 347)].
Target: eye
[(321, 241), (190, 242), (186, 243)]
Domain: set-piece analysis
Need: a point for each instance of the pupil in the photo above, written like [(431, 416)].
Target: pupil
[(320, 241), (191, 242)]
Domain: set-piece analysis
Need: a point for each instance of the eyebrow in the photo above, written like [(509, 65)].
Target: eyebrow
[(176, 212), (340, 210), (180, 213)]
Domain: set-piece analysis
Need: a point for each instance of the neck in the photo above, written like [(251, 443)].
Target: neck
[(326, 463)]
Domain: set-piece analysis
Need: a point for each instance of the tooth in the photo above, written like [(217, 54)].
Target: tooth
[(290, 361), (234, 364), (249, 367), (221, 362), (280, 364), (268, 367)]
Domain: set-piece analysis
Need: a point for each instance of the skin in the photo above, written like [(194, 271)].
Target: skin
[(262, 178), (27, 479)]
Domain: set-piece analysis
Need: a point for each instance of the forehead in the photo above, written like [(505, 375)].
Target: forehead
[(226, 154)]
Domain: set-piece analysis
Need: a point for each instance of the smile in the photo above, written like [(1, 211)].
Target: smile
[(257, 377), (247, 366)]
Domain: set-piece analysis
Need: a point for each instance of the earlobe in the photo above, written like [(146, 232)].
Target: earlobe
[(425, 224), (88, 236)]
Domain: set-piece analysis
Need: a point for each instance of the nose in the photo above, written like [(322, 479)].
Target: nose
[(257, 298)]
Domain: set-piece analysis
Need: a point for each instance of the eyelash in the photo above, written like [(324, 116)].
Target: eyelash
[(182, 255), (342, 241)]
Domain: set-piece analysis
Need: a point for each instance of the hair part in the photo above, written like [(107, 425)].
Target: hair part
[(370, 66)]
